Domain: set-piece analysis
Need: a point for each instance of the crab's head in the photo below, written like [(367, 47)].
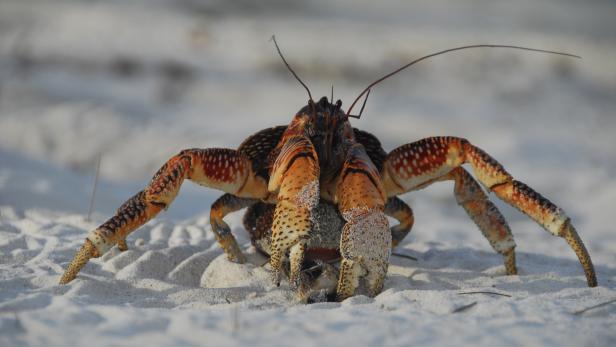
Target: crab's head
[(329, 130)]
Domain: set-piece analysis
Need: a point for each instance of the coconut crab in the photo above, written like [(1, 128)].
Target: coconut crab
[(285, 175)]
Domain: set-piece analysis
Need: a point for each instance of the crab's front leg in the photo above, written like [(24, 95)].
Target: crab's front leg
[(365, 245), (418, 164), (224, 169), (295, 176)]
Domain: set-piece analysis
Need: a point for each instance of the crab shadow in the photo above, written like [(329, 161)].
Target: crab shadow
[(173, 277), (463, 268), (137, 294), (162, 277)]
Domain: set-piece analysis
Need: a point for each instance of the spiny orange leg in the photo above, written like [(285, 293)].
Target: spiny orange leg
[(399, 210), (414, 165), (224, 169), (220, 208), (485, 214), (133, 213), (365, 245), (295, 176)]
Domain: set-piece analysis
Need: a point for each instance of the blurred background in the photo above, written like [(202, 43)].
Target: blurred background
[(137, 81)]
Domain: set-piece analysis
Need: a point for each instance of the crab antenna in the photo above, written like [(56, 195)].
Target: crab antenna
[(451, 50), (361, 111), (290, 69)]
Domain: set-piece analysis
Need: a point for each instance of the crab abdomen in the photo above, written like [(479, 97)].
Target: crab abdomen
[(324, 239)]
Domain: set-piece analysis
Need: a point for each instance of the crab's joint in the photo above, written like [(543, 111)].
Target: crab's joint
[(101, 242), (122, 246)]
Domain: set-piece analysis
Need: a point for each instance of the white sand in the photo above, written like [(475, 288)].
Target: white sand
[(549, 120)]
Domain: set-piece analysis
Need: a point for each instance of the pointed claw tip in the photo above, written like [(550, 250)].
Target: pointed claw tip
[(65, 279), (80, 259), (575, 242)]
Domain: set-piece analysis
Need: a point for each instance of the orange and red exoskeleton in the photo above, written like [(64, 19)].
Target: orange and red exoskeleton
[(292, 177)]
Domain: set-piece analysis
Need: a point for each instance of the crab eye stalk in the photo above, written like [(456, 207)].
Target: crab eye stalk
[(338, 104)]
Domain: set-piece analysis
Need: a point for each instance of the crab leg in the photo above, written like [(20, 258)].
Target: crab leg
[(224, 169), (485, 214), (220, 208), (399, 210), (365, 244), (295, 176), (414, 165)]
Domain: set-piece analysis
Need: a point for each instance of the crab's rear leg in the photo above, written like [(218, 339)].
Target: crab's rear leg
[(414, 165), (402, 212), (223, 169), (485, 214), (365, 244), (224, 205)]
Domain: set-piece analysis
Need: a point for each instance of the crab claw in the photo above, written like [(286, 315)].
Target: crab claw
[(365, 247), (81, 258)]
